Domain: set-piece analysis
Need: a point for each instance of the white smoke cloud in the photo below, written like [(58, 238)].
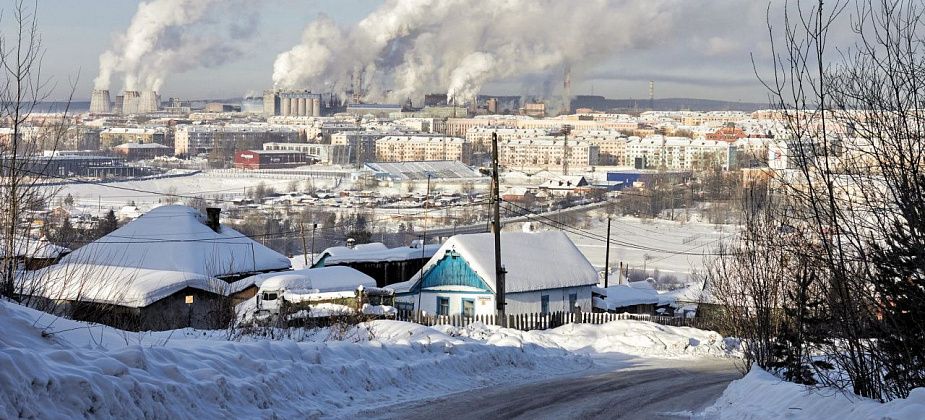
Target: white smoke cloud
[(171, 36), (410, 47)]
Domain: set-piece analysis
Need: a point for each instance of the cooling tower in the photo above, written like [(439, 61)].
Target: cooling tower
[(147, 102), (309, 107), (285, 106), (316, 107), (99, 102), (131, 100), (301, 107)]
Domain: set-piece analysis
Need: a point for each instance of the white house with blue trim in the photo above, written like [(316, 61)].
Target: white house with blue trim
[(545, 273)]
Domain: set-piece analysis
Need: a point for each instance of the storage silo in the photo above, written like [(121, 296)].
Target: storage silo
[(316, 106)]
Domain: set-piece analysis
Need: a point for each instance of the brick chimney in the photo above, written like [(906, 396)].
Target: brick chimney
[(213, 214)]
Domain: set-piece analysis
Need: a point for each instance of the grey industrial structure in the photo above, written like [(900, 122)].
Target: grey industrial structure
[(301, 103)]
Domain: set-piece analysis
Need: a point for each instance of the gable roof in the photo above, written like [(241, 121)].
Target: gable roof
[(375, 252), (164, 251), (533, 260)]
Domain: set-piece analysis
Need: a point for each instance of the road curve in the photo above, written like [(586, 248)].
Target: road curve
[(668, 389)]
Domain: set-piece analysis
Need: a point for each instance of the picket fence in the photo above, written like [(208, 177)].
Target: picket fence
[(538, 321)]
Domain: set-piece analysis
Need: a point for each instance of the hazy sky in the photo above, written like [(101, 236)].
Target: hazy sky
[(708, 56)]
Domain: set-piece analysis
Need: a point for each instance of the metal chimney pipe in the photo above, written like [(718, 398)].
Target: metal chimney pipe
[(213, 216)]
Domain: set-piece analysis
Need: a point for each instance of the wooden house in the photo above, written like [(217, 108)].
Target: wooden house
[(545, 273)]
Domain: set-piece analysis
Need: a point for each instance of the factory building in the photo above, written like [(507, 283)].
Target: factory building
[(320, 153), (422, 148), (269, 159), (376, 110), (142, 151)]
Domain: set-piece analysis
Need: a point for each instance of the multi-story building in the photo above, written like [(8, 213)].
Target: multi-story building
[(460, 126), (482, 135), (678, 153), (420, 148), (195, 139), (546, 153)]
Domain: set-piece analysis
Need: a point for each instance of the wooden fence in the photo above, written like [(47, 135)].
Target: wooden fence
[(538, 321)]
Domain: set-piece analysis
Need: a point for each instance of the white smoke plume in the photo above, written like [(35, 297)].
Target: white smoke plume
[(172, 36), (407, 48)]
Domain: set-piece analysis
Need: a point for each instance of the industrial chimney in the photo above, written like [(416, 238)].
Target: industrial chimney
[(100, 102), (213, 216)]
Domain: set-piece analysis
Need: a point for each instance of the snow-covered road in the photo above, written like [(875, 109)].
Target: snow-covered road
[(653, 389)]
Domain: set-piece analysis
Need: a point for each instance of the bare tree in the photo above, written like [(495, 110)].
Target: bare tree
[(22, 90)]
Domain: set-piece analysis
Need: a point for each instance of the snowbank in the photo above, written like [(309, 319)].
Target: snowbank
[(760, 395), (629, 337), (72, 369)]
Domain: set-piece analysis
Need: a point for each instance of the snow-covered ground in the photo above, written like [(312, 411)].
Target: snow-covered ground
[(206, 184), (760, 395), (671, 247), (52, 367)]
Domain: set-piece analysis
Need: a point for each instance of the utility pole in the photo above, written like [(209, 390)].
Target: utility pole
[(304, 249), (496, 230), (424, 235), (314, 226), (607, 255)]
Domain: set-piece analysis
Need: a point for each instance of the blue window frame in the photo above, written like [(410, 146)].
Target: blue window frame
[(544, 304), (468, 307), (443, 305)]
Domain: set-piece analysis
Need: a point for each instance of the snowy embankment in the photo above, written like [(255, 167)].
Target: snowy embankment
[(74, 369), (760, 395), (626, 337), (58, 368)]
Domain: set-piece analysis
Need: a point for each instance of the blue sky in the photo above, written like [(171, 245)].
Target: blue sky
[(76, 32)]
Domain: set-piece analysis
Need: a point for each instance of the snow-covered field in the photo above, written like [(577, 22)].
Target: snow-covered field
[(55, 368), (671, 247), (760, 395), (207, 184)]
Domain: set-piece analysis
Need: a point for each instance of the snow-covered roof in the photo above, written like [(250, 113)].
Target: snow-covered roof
[(533, 260), (622, 295), (317, 280), (158, 254), (376, 252), (34, 248)]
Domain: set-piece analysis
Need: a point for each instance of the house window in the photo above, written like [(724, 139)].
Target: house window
[(544, 304), (443, 306), (572, 301), (468, 307)]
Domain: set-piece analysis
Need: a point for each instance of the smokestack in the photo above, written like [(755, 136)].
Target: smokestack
[(301, 106), (213, 216), (567, 90), (130, 101), (100, 102), (651, 94)]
